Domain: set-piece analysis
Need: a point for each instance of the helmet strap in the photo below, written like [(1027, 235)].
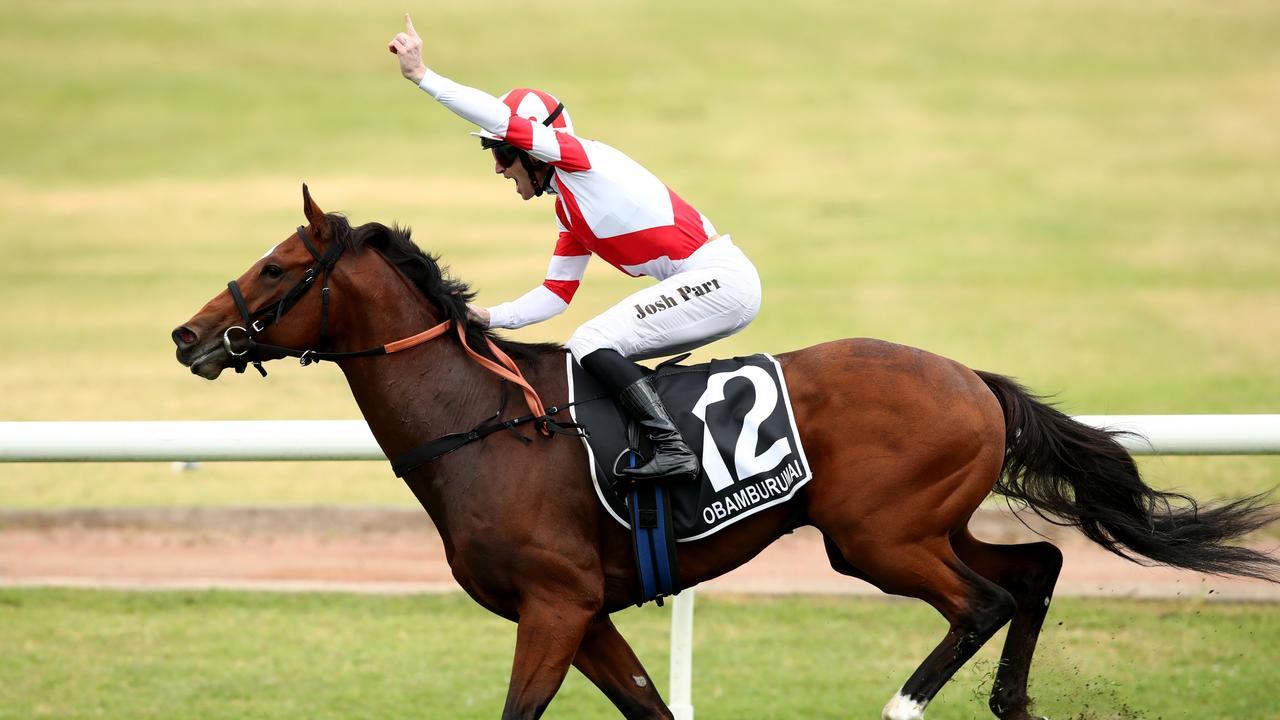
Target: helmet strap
[(539, 186), (545, 185)]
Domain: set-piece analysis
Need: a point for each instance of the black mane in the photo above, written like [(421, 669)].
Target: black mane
[(449, 295)]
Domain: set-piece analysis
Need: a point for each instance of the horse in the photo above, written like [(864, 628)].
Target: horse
[(904, 445)]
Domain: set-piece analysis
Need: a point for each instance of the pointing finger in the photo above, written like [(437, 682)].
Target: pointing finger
[(408, 25)]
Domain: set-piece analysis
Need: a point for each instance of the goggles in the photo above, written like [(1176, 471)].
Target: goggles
[(504, 154)]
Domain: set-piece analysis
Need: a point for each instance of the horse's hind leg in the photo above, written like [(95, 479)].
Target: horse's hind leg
[(974, 606), (607, 660), (1029, 572)]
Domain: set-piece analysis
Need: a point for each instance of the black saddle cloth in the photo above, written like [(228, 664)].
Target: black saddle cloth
[(734, 414)]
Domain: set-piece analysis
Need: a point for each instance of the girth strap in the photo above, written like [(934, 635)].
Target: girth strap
[(441, 446)]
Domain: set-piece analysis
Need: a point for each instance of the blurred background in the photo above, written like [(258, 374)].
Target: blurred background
[(1081, 194)]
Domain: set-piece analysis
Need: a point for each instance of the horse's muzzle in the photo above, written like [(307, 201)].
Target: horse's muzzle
[(206, 359)]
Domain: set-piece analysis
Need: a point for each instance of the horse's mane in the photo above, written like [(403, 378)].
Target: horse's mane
[(448, 294)]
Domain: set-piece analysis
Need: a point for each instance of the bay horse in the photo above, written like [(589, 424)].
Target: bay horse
[(904, 445)]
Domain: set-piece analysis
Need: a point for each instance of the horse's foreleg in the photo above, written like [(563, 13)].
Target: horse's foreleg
[(547, 639), (607, 660), (1029, 572)]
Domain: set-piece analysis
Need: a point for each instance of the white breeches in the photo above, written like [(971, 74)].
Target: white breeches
[(715, 294)]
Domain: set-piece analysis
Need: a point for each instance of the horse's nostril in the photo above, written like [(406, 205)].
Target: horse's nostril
[(183, 337)]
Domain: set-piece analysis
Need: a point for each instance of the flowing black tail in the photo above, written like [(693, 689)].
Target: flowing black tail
[(1084, 478)]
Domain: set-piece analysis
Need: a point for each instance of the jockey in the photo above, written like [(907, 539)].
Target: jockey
[(606, 205)]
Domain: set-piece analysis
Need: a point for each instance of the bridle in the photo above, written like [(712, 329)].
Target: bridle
[(257, 322)]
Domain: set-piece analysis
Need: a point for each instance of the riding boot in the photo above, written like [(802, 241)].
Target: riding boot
[(672, 458)]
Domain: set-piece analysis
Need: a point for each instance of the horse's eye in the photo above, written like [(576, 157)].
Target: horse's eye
[(275, 272)]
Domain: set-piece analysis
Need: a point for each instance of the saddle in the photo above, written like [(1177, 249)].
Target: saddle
[(735, 415)]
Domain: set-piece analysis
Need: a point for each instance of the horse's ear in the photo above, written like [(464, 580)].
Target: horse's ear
[(314, 214)]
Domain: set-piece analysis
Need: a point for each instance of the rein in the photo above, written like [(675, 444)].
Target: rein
[(256, 322)]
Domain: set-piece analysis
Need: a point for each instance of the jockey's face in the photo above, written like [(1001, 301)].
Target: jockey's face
[(524, 184)]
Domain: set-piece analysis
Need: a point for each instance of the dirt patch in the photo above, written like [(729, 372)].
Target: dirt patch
[(372, 549)]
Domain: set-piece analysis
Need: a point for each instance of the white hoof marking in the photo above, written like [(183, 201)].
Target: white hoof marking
[(901, 707)]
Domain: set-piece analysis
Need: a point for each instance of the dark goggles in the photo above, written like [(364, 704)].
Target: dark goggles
[(504, 153)]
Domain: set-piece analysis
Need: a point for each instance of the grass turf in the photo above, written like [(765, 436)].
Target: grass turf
[(1081, 194), (73, 654)]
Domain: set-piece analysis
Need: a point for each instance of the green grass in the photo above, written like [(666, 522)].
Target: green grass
[(232, 655), (1078, 193)]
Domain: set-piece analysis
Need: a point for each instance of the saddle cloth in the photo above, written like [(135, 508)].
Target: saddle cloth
[(734, 414)]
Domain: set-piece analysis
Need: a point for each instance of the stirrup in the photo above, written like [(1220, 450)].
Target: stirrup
[(687, 470)]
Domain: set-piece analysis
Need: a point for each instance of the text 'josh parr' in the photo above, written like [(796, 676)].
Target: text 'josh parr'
[(665, 301)]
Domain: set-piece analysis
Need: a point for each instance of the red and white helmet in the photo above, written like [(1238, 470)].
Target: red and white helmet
[(535, 105)]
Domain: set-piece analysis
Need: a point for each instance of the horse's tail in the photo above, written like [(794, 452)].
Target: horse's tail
[(1084, 478)]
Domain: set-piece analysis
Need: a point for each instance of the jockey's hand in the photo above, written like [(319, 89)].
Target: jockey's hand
[(407, 46), (478, 314)]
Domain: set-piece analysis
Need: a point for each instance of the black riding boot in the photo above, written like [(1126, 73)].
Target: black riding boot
[(672, 459)]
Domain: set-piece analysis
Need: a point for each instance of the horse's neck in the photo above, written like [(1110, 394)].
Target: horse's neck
[(411, 397), (407, 395), (422, 393)]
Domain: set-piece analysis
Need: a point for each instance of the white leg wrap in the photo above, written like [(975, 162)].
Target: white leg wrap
[(901, 707)]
